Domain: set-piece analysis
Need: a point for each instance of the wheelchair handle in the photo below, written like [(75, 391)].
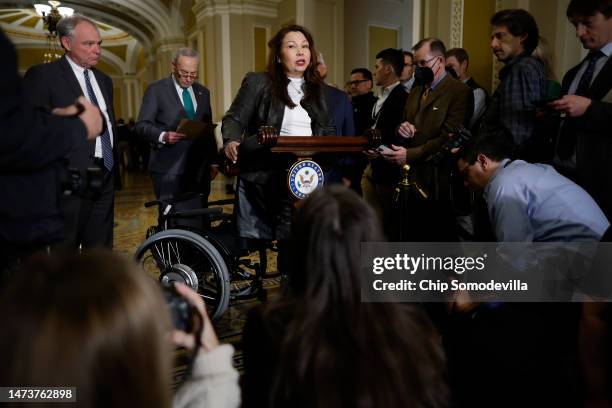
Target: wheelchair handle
[(152, 203), (199, 211), (222, 202)]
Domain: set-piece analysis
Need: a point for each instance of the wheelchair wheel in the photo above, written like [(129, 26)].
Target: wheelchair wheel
[(183, 256)]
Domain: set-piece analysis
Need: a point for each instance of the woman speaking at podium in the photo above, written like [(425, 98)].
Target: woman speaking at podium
[(289, 97)]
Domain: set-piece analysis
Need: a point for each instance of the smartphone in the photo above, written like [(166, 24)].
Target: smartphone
[(383, 149), (543, 103)]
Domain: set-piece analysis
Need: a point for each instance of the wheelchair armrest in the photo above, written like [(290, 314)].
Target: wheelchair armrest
[(221, 202), (152, 203), (199, 211)]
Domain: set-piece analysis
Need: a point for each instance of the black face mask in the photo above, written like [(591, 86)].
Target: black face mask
[(423, 76)]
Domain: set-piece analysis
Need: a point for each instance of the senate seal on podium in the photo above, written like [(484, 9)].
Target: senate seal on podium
[(304, 177)]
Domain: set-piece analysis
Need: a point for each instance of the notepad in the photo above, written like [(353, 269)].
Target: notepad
[(192, 129)]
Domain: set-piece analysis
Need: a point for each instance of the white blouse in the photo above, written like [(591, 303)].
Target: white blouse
[(296, 121)]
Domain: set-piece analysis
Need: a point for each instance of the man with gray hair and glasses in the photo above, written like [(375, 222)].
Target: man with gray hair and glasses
[(178, 165), (89, 213)]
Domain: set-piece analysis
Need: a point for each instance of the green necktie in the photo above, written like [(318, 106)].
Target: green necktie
[(188, 104)]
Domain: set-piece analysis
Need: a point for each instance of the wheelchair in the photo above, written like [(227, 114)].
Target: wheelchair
[(199, 247)]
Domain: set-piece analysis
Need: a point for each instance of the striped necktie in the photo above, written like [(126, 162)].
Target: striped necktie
[(567, 137), (107, 148)]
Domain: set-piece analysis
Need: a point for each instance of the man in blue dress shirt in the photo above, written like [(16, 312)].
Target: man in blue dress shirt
[(529, 202)]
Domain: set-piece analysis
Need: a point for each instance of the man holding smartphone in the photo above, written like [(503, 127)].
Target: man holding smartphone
[(584, 144)]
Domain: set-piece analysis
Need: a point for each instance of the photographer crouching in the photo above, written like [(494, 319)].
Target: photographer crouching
[(33, 145)]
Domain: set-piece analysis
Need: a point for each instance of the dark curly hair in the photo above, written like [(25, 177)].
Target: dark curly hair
[(519, 22)]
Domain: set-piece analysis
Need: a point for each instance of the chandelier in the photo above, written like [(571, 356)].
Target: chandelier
[(51, 14)]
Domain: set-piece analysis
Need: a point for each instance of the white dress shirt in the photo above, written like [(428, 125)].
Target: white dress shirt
[(384, 94), (480, 98), (79, 72)]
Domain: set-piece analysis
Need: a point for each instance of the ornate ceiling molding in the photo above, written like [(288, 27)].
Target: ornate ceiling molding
[(210, 8), (148, 21)]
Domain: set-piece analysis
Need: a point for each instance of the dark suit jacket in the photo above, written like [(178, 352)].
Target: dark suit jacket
[(594, 138), (162, 110), (342, 109), (362, 111), (54, 85), (339, 165), (32, 144), (389, 118)]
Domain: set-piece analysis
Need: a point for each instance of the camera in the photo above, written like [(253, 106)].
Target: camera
[(181, 311), (460, 137), (71, 182)]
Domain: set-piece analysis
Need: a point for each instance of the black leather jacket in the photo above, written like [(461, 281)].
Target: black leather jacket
[(253, 107)]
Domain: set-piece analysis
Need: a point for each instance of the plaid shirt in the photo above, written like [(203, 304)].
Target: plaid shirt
[(512, 105)]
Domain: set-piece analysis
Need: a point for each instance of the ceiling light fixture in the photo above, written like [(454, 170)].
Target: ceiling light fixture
[(51, 14)]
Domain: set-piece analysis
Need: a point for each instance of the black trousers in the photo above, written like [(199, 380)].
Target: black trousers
[(12, 255), (167, 186), (89, 218)]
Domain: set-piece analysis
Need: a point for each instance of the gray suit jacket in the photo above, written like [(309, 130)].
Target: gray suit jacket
[(161, 111)]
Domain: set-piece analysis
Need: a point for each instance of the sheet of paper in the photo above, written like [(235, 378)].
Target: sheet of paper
[(192, 129)]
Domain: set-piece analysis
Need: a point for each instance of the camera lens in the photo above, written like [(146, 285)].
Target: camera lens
[(180, 310)]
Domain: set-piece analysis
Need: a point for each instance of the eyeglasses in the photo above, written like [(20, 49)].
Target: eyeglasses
[(424, 63), (356, 82), (187, 74)]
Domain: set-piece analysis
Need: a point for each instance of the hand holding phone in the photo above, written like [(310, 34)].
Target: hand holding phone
[(543, 103), (383, 149)]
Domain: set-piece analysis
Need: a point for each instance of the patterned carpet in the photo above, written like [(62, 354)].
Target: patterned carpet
[(132, 220)]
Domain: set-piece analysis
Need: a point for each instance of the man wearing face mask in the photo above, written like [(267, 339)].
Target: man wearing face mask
[(437, 105)]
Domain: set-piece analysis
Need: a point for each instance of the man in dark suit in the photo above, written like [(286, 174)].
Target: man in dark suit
[(582, 154), (177, 165), (380, 176), (344, 168), (362, 98), (33, 144), (88, 217), (584, 145)]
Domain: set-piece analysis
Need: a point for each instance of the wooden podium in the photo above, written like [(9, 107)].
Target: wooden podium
[(305, 175)]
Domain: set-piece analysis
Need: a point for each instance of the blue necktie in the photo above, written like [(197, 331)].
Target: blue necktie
[(567, 138), (188, 104), (587, 77), (107, 148)]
